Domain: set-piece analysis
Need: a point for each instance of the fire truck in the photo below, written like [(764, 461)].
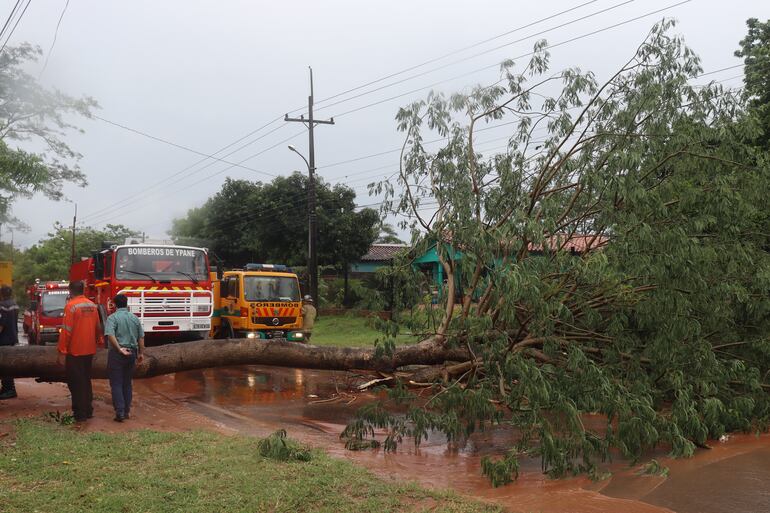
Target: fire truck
[(168, 286), (259, 301), (44, 317)]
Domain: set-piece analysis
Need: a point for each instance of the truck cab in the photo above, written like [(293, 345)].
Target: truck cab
[(46, 311), (258, 301)]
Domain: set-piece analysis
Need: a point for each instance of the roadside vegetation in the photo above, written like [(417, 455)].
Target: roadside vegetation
[(351, 331), (48, 467)]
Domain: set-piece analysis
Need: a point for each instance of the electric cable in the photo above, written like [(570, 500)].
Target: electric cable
[(432, 85), (55, 34), (10, 34), (10, 17)]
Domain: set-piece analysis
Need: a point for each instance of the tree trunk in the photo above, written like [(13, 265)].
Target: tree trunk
[(345, 297), (40, 361)]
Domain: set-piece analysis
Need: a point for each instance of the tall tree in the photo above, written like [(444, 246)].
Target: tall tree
[(755, 51), (34, 117), (256, 222)]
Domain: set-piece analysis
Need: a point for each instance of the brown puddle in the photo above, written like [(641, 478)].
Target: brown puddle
[(732, 477)]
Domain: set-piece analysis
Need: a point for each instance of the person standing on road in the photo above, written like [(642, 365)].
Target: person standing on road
[(9, 334), (308, 317), (77, 346), (126, 348)]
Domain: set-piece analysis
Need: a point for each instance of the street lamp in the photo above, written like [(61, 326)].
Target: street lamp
[(312, 235)]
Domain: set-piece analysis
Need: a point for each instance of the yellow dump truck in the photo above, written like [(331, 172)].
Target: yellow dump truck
[(259, 301)]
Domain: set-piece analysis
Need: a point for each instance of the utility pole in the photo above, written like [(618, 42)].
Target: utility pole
[(74, 221), (312, 256)]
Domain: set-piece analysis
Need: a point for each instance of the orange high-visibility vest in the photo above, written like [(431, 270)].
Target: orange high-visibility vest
[(80, 331)]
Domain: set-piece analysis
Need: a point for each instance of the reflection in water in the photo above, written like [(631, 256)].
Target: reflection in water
[(732, 477)]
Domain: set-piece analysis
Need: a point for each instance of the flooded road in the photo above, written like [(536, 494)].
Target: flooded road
[(314, 407)]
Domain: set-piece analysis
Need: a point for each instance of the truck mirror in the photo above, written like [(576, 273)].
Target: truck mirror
[(99, 266), (33, 305)]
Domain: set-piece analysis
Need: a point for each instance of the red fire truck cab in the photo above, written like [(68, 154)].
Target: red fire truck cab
[(168, 286), (46, 311)]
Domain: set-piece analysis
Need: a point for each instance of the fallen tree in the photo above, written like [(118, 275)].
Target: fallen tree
[(612, 259), (41, 361)]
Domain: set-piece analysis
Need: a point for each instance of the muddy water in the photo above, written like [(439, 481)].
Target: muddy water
[(314, 406)]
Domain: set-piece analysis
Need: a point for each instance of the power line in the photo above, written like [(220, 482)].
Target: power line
[(382, 153), (413, 67), (561, 43), (650, 13), (467, 58), (10, 17), (170, 177), (283, 141), (55, 34), (275, 211), (296, 200), (180, 146), (10, 34), (444, 56)]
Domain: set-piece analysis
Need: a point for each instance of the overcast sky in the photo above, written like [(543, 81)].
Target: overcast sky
[(203, 74)]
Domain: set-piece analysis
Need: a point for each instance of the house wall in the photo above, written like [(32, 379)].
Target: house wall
[(366, 267)]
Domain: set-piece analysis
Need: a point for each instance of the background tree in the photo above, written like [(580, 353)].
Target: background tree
[(34, 117), (388, 235), (256, 222), (612, 261), (755, 50), (49, 259)]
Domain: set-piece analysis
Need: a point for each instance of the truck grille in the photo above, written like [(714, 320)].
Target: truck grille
[(268, 321), (168, 306)]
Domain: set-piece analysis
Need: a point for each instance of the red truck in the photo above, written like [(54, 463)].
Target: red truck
[(43, 319), (168, 286)]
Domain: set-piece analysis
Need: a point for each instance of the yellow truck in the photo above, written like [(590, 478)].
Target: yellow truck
[(258, 301), (6, 273)]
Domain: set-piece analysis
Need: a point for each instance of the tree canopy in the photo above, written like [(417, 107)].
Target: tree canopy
[(268, 222), (49, 259), (34, 117), (613, 261)]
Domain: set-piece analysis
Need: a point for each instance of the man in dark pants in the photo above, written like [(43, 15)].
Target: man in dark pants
[(9, 334), (126, 343), (77, 345)]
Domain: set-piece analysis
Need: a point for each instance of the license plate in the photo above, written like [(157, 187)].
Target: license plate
[(200, 326)]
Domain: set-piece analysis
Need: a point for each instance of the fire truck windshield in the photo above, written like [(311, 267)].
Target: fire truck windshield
[(53, 303), (160, 264), (270, 288)]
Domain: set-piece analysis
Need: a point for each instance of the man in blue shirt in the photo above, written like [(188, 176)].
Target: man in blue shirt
[(126, 347)]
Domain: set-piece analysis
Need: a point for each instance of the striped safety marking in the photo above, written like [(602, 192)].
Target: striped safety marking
[(163, 288), (282, 312)]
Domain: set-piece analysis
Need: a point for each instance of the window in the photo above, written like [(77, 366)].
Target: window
[(270, 288), (231, 287), (167, 263)]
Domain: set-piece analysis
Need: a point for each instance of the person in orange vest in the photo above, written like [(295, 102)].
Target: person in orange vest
[(77, 346)]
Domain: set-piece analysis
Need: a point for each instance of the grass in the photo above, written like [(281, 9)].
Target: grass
[(349, 331), (54, 468)]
